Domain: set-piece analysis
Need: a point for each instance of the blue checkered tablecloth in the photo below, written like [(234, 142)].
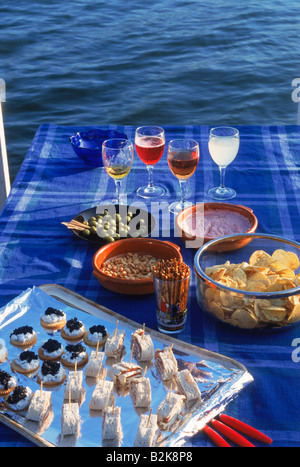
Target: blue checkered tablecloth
[(53, 185)]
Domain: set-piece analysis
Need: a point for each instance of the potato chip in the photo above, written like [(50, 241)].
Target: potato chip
[(239, 276), (226, 299), (294, 315), (260, 258), (287, 273), (244, 319), (216, 310), (266, 311), (260, 277), (255, 286), (263, 273), (297, 280), (287, 258)]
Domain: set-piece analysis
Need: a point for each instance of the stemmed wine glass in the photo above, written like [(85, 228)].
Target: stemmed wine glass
[(223, 146), (117, 156), (183, 157), (150, 144)]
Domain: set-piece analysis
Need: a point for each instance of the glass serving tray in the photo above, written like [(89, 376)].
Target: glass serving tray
[(220, 379)]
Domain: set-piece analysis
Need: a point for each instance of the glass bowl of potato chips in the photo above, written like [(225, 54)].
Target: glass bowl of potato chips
[(254, 287)]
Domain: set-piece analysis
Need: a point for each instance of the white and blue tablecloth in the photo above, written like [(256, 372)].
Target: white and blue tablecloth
[(53, 185)]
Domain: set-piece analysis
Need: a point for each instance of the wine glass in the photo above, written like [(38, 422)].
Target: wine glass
[(223, 146), (183, 158), (150, 144), (117, 156)]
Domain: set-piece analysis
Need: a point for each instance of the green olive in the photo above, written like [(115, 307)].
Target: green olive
[(86, 232)]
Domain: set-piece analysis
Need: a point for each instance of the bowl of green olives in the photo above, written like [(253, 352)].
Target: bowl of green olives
[(108, 223)]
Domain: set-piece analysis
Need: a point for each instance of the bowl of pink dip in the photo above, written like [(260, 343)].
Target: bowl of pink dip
[(203, 222)]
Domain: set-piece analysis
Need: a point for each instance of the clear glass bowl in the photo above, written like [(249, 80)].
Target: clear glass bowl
[(254, 287)]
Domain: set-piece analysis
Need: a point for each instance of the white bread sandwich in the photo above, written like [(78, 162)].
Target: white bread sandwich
[(166, 363), (170, 410), (187, 385), (70, 419), (111, 423), (74, 389), (94, 368), (140, 392), (102, 395), (143, 348), (122, 373), (39, 407), (147, 431), (115, 343)]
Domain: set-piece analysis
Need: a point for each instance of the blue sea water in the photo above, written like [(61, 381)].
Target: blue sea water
[(85, 62)]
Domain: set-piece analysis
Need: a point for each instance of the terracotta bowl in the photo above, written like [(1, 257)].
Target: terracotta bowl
[(196, 242), (156, 248)]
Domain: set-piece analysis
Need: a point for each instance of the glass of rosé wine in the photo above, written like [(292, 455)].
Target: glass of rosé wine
[(183, 158), (150, 144)]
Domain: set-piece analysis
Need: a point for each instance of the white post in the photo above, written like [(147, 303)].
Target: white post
[(4, 169)]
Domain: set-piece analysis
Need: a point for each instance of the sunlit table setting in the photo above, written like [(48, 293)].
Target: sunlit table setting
[(54, 185)]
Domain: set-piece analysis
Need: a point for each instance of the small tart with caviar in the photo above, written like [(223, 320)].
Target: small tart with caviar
[(3, 351), (73, 330), (53, 319), (96, 334), (7, 383), (23, 336), (51, 350), (27, 362), (74, 354), (19, 399), (51, 374)]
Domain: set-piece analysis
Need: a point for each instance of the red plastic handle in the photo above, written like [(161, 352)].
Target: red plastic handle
[(231, 434), (244, 428), (215, 437)]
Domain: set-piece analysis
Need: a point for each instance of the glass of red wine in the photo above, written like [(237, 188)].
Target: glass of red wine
[(183, 158), (150, 144)]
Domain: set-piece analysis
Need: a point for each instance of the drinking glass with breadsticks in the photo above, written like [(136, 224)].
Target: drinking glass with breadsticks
[(171, 285)]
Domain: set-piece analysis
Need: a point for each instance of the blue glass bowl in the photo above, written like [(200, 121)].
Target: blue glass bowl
[(88, 144)]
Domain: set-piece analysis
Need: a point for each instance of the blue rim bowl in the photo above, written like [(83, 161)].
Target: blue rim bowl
[(88, 144)]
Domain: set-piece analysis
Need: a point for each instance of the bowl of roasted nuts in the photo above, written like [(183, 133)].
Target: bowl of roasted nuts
[(126, 267), (255, 287)]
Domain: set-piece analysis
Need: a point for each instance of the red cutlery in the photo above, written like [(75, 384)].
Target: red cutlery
[(215, 437), (244, 428), (225, 426), (231, 434)]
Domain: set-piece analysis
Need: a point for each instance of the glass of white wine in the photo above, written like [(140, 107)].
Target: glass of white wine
[(117, 156), (223, 145)]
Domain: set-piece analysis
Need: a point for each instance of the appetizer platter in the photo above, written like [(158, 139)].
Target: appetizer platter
[(138, 388)]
